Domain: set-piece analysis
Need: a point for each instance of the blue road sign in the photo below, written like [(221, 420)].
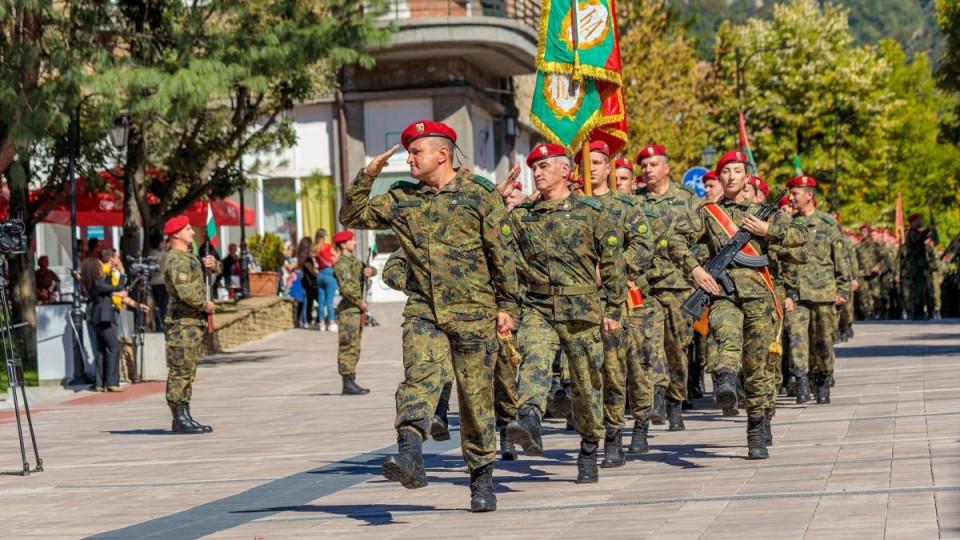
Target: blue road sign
[(694, 179)]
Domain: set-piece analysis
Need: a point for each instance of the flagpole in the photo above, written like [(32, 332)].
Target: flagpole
[(585, 168)]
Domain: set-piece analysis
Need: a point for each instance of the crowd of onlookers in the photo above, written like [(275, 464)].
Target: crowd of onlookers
[(308, 279)]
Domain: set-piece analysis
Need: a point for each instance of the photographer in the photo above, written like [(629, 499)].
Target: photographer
[(107, 296)]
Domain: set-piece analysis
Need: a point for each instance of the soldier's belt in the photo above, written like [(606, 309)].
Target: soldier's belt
[(559, 290)]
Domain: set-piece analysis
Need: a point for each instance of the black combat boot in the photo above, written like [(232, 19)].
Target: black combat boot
[(562, 406), (508, 452), (831, 381), (351, 388), (482, 497), (203, 428), (823, 389), (439, 427), (181, 422), (767, 429), (675, 415), (658, 414), (525, 431), (792, 384), (613, 449), (407, 466), (638, 441), (726, 391), (803, 386), (755, 447), (587, 472)]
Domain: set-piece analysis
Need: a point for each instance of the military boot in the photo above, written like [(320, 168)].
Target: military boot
[(203, 428), (525, 431), (508, 452), (792, 384), (351, 388), (587, 472), (482, 497), (638, 441), (613, 449), (831, 381), (803, 387), (755, 447), (439, 426), (562, 406), (726, 390), (823, 389), (658, 414), (181, 423), (407, 467), (675, 415), (767, 429)]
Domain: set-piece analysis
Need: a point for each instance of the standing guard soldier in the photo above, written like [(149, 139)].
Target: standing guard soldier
[(673, 207), (185, 322), (871, 263), (625, 176), (822, 285), (462, 289), (563, 239), (746, 323), (350, 273)]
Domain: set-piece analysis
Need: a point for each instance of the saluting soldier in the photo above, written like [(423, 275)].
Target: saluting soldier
[(822, 285), (562, 240), (350, 273), (186, 320), (745, 323), (462, 288)]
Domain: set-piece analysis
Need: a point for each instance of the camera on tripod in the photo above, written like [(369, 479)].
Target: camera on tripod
[(142, 265), (13, 237)]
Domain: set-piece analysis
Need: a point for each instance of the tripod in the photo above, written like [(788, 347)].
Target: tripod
[(15, 379), (140, 292)]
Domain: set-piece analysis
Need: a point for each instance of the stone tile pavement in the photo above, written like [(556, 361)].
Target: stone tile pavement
[(291, 458)]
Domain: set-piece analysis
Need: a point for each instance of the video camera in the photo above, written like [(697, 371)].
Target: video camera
[(142, 265), (13, 237)]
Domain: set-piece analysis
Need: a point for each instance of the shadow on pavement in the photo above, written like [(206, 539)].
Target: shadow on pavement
[(140, 432), (372, 514)]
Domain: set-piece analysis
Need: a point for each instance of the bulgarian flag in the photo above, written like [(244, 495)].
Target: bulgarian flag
[(745, 144), (212, 227), (578, 95)]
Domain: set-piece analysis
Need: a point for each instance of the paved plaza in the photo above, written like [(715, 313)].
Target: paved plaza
[(291, 458)]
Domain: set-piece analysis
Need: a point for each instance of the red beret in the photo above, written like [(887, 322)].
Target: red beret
[(426, 128), (624, 163), (913, 217), (785, 200), (544, 151), (802, 181), (342, 236), (175, 225), (761, 186), (595, 146), (733, 156), (650, 151), (709, 175)]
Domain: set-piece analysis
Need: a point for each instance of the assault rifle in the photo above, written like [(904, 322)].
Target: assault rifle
[(696, 304)]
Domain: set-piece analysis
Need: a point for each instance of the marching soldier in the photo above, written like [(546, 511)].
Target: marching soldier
[(462, 289), (625, 176), (673, 206), (872, 262), (822, 284), (712, 186), (350, 273), (846, 315), (185, 322), (562, 240), (745, 323)]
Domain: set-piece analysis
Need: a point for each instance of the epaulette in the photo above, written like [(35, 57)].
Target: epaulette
[(591, 202), (525, 204), (486, 184), (624, 199), (829, 219), (687, 188), (404, 184)]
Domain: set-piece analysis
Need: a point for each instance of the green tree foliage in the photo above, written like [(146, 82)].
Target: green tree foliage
[(948, 70)]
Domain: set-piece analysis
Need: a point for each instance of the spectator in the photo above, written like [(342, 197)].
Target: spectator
[(326, 282), (92, 269), (48, 283), (231, 269), (291, 279), (308, 279), (158, 248)]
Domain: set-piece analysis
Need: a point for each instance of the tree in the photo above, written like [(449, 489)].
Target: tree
[(948, 70)]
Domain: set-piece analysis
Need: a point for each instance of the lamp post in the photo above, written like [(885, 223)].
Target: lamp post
[(76, 311), (708, 157), (244, 266)]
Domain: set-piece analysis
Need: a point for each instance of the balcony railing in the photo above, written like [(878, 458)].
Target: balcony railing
[(526, 12)]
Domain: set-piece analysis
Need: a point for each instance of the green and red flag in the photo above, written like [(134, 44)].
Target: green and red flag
[(212, 227), (797, 165), (745, 144)]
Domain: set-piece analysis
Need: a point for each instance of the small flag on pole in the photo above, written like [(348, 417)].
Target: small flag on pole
[(745, 144), (212, 227), (797, 165)]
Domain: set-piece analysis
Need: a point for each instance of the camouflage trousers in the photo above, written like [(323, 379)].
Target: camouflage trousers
[(812, 328), (614, 371), (582, 345), (430, 351), (869, 291), (845, 315), (504, 389), (677, 333), (639, 387), (648, 320), (184, 350), (744, 329), (348, 334)]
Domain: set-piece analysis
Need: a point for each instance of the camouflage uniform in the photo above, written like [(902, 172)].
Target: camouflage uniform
[(846, 316), (459, 276), (783, 263), (812, 324), (745, 324), (185, 323), (934, 279), (560, 245), (349, 273), (870, 256)]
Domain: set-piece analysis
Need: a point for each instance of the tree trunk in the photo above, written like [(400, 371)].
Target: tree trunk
[(23, 282), (134, 174)]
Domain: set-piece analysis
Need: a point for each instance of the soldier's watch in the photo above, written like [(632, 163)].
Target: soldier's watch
[(793, 295)]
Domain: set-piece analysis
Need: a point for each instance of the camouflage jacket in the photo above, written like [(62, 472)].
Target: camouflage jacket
[(673, 220), (783, 262), (748, 282), (184, 277), (850, 253), (454, 240), (349, 273), (869, 255), (561, 244), (635, 229), (394, 273), (826, 274)]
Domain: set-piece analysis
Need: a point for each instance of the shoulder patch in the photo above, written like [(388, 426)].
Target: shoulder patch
[(402, 184), (627, 200), (483, 182)]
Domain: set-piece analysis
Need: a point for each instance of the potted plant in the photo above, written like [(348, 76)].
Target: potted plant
[(267, 254)]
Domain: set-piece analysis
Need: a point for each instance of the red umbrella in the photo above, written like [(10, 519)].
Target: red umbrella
[(225, 212)]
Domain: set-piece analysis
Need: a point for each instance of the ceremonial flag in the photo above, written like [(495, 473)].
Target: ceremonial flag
[(797, 166), (899, 220), (212, 227), (745, 144)]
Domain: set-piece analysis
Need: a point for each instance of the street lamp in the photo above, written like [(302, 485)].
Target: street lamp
[(708, 157), (240, 102), (76, 310), (120, 131)]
